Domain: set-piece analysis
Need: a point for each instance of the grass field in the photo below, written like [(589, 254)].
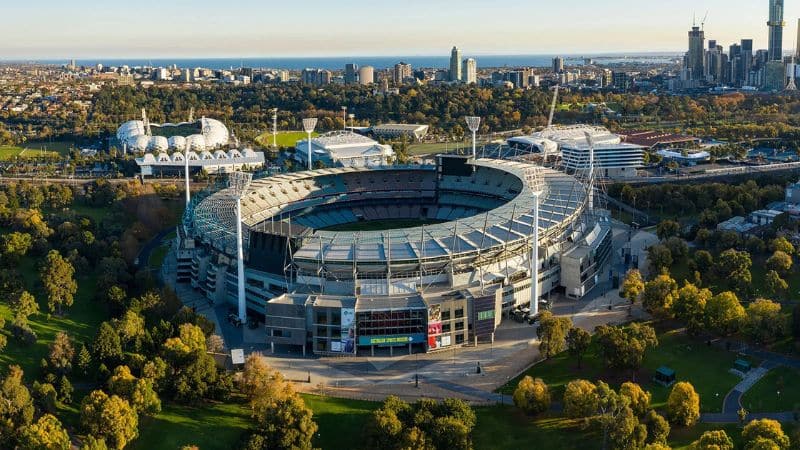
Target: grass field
[(705, 367), (777, 391), (284, 138), (429, 149), (8, 153), (378, 225)]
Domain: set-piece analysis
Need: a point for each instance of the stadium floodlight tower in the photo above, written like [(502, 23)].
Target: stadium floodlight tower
[(473, 123), (535, 179), (590, 177), (274, 127), (239, 181), (186, 167), (308, 125), (344, 118)]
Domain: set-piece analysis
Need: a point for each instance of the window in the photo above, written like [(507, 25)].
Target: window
[(459, 313), (277, 333), (486, 315), (445, 315), (446, 328), (459, 326), (459, 339)]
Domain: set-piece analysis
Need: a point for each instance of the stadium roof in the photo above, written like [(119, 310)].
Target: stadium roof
[(652, 139)]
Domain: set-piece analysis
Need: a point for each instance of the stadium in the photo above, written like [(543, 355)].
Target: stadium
[(350, 260), (196, 135)]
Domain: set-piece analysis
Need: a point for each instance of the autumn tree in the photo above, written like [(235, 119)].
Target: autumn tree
[(724, 313), (764, 321), (47, 433), (632, 286), (683, 404), (659, 294), (138, 392), (578, 341), (58, 279), (61, 354), (532, 396), (111, 418), (689, 306), (580, 399), (552, 332), (639, 399), (780, 262), (714, 440), (16, 407), (24, 305), (764, 433)]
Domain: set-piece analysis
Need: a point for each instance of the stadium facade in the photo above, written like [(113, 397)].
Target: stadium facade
[(344, 149), (445, 282)]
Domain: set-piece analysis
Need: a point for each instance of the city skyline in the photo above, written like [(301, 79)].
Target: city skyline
[(204, 29)]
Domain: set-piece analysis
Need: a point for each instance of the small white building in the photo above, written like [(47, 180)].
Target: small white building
[(344, 149)]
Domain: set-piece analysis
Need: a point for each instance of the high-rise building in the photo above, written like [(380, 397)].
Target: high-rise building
[(695, 58), (455, 64), (747, 59), (558, 64), (350, 73), (776, 25), (796, 44), (715, 68), (366, 75), (470, 71), (401, 72), (315, 76)]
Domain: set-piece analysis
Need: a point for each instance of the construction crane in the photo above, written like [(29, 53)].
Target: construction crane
[(552, 108), (703, 22)]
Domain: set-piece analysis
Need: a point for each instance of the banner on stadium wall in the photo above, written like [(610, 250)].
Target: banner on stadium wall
[(347, 344), (400, 339), (434, 325)]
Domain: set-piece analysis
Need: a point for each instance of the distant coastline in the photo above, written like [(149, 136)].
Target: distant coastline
[(379, 62)]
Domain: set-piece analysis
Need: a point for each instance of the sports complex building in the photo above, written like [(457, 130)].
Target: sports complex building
[(405, 258)]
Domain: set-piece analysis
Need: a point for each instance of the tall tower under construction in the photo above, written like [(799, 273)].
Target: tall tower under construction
[(776, 25)]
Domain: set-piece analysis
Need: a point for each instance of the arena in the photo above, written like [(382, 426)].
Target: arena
[(448, 252)]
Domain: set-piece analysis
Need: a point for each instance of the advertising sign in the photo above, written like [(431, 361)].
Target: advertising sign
[(402, 339), (347, 344), (434, 325)]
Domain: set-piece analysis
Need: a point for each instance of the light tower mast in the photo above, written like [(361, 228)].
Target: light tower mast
[(274, 127), (308, 125), (239, 181), (590, 181), (535, 179), (473, 123)]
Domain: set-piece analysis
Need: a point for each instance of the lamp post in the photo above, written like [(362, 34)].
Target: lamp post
[(473, 123), (239, 181), (344, 118), (352, 118), (308, 125), (534, 179), (274, 127)]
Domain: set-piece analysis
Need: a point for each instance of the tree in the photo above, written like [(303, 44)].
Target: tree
[(667, 229), (552, 332), (61, 353), (285, 424), (724, 314), (92, 443), (775, 284), (632, 286), (16, 407), (659, 257), (734, 266), (690, 305), (14, 245), (215, 343), (580, 399), (683, 404), (780, 262), (639, 399), (58, 279), (764, 321), (713, 440), (258, 379), (704, 261), (111, 418), (659, 294), (138, 392), (624, 347), (678, 248), (107, 346), (46, 434), (578, 341), (757, 432), (130, 328), (24, 305), (532, 396), (781, 244), (657, 428), (83, 360), (65, 390), (617, 421)]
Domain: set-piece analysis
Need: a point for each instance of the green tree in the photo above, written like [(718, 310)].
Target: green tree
[(632, 286), (552, 332), (580, 399), (92, 443), (138, 392), (14, 245), (724, 314), (781, 244), (107, 346), (683, 404), (532, 396), (130, 328), (47, 433), (713, 440), (61, 354), (757, 432), (780, 262), (286, 423), (58, 279), (659, 294), (83, 360), (690, 304), (111, 418), (16, 407), (657, 428), (24, 306), (764, 321), (578, 341), (734, 267), (704, 261), (659, 258), (65, 390), (667, 229), (774, 284), (638, 398), (624, 347)]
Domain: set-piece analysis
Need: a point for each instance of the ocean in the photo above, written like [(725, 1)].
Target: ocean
[(379, 62)]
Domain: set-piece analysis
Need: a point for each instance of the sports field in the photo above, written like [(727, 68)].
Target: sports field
[(9, 152), (284, 138)]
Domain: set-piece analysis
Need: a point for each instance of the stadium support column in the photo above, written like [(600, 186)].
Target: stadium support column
[(535, 257), (308, 125), (239, 181)]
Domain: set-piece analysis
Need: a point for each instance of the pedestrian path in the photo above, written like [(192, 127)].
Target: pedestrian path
[(732, 402)]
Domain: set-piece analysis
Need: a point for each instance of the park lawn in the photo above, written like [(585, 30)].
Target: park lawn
[(97, 214), (9, 152), (283, 139), (504, 427), (80, 321), (341, 421), (210, 426), (158, 256), (703, 366), (764, 397)]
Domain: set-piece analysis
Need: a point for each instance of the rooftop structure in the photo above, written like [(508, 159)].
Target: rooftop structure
[(347, 149), (216, 162), (200, 135), (394, 130), (657, 139)]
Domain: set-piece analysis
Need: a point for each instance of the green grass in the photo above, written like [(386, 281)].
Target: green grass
[(505, 427), (378, 225), (80, 321), (9, 152), (764, 397), (157, 256), (340, 421), (62, 147), (284, 138), (212, 426), (428, 149), (705, 367)]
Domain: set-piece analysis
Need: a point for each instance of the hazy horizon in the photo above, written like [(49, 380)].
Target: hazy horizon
[(185, 29)]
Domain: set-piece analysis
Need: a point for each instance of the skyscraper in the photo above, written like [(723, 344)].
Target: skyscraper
[(558, 64), (695, 59), (455, 64), (776, 25), (470, 71), (401, 72), (366, 75), (797, 43), (747, 60), (350, 73)]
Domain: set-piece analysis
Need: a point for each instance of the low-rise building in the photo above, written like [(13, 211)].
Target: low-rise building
[(344, 149)]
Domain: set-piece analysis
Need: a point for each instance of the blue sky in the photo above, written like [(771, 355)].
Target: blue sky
[(241, 28)]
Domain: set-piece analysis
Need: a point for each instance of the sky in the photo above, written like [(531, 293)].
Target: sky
[(41, 29)]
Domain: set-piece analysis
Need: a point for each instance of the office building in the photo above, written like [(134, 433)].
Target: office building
[(470, 71), (558, 64), (401, 72), (695, 57), (316, 77), (350, 73), (366, 75), (746, 59), (620, 80), (776, 25), (774, 76), (455, 64)]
